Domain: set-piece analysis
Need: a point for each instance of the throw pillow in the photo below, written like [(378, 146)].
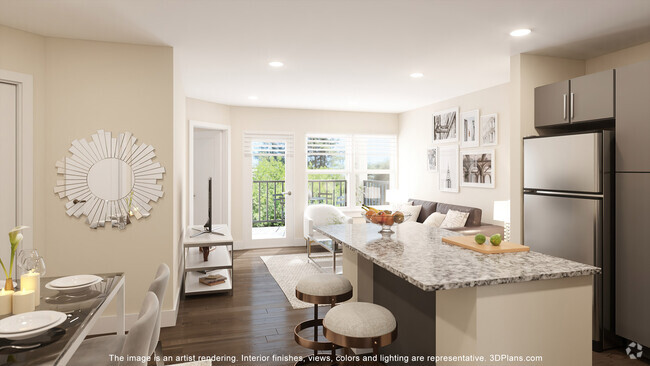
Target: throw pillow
[(435, 219), (455, 219), (409, 209)]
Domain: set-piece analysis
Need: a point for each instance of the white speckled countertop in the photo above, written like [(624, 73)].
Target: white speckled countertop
[(417, 254)]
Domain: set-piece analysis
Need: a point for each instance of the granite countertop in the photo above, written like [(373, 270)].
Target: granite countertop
[(417, 254)]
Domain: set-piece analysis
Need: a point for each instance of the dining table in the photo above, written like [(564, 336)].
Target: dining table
[(58, 345)]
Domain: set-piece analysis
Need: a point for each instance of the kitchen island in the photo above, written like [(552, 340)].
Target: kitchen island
[(454, 302)]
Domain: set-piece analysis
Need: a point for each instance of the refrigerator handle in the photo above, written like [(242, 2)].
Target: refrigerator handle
[(572, 105), (564, 109)]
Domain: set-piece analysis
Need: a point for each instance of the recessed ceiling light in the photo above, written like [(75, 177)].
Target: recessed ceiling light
[(276, 63), (416, 75), (253, 97), (520, 32)]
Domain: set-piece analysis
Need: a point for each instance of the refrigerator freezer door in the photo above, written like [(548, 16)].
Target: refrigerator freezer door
[(570, 163), (562, 226)]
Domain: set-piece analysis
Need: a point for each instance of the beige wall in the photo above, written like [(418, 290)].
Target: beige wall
[(298, 121), (117, 87), (526, 73), (415, 136), (619, 58), (25, 53)]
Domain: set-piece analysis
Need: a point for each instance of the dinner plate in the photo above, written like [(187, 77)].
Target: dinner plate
[(28, 321), (74, 281), (73, 289), (33, 318)]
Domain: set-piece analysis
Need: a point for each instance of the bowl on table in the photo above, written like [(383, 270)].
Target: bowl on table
[(387, 219)]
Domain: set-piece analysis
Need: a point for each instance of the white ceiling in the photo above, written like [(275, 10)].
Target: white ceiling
[(342, 54)]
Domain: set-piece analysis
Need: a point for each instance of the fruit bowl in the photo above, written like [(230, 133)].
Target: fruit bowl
[(386, 219)]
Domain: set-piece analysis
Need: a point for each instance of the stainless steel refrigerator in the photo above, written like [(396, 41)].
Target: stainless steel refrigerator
[(567, 209)]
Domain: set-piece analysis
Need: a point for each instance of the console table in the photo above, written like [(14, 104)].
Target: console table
[(219, 261)]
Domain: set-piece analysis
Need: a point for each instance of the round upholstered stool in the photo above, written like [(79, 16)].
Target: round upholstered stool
[(360, 325), (318, 289)]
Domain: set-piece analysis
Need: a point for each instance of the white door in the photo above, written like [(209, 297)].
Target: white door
[(209, 163), (268, 184), (8, 119)]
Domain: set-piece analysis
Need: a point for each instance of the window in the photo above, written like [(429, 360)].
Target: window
[(346, 171)]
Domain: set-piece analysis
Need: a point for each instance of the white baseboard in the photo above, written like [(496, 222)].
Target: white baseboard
[(107, 324), (264, 244)]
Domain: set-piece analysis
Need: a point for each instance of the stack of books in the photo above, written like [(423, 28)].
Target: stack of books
[(212, 279)]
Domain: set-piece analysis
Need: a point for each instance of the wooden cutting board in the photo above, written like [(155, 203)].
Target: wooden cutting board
[(468, 242)]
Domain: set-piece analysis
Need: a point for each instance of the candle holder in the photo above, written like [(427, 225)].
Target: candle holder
[(30, 261)]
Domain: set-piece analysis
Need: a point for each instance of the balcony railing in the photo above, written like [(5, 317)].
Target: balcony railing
[(268, 200), (328, 191), (268, 203), (374, 192)]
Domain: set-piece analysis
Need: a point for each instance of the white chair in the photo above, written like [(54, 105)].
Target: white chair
[(97, 351), (321, 215), (158, 287)]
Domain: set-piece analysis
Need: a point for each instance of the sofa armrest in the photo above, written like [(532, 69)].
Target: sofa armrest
[(485, 229)]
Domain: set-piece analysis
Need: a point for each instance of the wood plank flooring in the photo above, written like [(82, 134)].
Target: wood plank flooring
[(258, 320)]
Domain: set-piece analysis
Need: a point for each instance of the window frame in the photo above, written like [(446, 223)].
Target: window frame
[(350, 171)]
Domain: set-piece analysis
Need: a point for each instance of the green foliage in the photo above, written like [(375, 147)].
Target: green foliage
[(268, 185)]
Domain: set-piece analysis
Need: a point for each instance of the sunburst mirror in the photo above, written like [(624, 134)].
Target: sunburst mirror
[(109, 179)]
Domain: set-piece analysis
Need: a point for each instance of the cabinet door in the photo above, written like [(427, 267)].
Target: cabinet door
[(633, 117), (551, 104), (592, 97), (632, 253)]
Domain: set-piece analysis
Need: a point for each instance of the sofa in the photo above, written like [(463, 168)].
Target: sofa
[(473, 225)]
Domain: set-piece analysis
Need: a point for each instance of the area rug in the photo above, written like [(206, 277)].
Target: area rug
[(288, 269)]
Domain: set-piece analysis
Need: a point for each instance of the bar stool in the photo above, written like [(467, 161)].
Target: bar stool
[(322, 288), (360, 325)]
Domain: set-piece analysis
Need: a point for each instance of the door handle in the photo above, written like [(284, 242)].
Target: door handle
[(572, 106), (564, 106), (287, 193)]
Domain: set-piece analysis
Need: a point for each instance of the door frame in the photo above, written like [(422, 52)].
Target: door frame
[(225, 150), (24, 150), (290, 208)]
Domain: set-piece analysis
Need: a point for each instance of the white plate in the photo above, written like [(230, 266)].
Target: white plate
[(73, 289), (59, 318), (74, 281), (28, 321)]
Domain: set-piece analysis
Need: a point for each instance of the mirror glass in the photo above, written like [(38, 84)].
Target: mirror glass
[(109, 179)]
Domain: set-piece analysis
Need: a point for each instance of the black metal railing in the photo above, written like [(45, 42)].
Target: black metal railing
[(328, 191), (374, 192), (268, 203)]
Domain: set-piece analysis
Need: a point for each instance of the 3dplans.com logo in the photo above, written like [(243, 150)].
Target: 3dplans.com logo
[(634, 350)]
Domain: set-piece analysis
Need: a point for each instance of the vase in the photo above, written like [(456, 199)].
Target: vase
[(9, 284)]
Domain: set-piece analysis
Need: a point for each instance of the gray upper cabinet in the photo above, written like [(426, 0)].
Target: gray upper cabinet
[(592, 97), (582, 99), (633, 118), (551, 104)]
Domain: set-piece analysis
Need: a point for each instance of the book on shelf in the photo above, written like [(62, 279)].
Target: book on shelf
[(209, 282)]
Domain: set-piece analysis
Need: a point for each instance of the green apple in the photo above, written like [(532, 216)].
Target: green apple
[(479, 238)]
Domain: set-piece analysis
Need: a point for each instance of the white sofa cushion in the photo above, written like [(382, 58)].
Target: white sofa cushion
[(455, 219), (435, 219)]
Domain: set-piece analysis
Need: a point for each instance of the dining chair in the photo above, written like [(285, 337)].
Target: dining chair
[(96, 351), (158, 287)]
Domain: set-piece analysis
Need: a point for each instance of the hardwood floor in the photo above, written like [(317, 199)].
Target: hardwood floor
[(258, 320)]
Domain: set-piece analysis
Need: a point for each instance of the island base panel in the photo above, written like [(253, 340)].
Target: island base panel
[(550, 318)]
